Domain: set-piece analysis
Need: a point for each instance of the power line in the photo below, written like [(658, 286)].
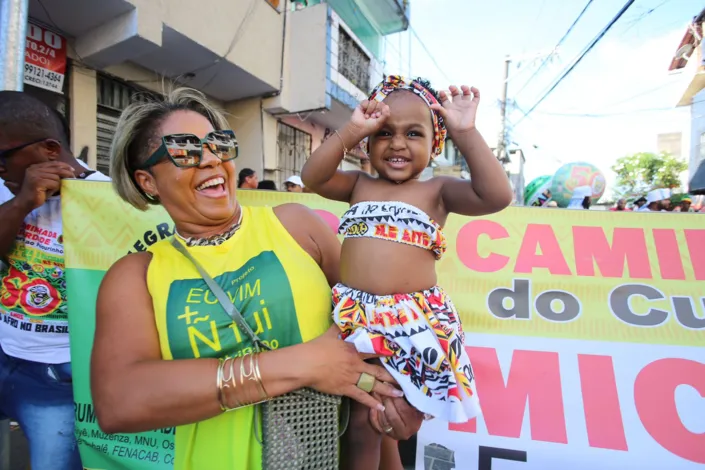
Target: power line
[(413, 31), (645, 92), (612, 105), (600, 115), (558, 44), (643, 16), (233, 42), (590, 46), (616, 113)]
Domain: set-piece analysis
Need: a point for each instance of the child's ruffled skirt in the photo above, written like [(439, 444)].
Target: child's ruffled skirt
[(421, 342)]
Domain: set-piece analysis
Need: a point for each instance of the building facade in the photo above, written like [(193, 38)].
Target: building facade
[(286, 74), (689, 60)]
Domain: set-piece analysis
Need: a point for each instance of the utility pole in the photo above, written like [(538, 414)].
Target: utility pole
[(13, 31), (502, 142)]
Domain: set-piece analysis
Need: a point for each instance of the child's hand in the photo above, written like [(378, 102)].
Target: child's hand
[(459, 113), (369, 117)]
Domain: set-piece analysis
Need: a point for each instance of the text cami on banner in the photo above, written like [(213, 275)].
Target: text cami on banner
[(586, 331)]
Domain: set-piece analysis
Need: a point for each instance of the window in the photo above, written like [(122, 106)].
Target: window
[(353, 63), (702, 146), (117, 95), (293, 149)]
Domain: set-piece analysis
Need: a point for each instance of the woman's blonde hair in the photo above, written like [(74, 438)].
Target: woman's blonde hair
[(136, 137)]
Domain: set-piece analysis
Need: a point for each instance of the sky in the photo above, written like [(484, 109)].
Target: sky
[(622, 85)]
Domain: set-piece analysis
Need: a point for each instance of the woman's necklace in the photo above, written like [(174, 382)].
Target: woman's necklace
[(213, 240)]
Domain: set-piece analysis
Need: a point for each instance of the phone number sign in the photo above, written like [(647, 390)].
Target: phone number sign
[(44, 59)]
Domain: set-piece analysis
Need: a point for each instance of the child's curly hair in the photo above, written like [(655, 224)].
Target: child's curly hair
[(427, 85)]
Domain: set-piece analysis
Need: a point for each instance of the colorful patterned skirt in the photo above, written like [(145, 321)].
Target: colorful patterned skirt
[(421, 343)]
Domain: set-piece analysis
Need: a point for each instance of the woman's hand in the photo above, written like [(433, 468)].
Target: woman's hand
[(399, 418), (333, 366), (459, 113), (368, 118)]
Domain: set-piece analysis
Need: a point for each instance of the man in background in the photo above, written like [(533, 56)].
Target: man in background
[(639, 203), (294, 184), (621, 205), (35, 363), (657, 200)]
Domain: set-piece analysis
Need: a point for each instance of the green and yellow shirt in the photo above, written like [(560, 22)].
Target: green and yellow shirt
[(280, 291)]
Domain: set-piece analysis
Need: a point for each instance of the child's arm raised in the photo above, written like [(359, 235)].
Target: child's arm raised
[(488, 190), (320, 173)]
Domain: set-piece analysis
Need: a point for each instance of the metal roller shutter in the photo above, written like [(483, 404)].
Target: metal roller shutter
[(113, 96), (107, 122)]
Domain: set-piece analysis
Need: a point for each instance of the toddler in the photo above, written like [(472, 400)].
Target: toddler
[(388, 303)]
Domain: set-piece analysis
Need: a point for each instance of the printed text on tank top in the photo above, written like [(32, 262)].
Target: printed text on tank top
[(394, 221)]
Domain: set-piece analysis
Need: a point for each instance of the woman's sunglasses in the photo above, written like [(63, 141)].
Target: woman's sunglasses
[(186, 150)]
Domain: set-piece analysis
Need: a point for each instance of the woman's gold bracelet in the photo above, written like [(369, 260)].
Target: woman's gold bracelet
[(253, 375), (225, 382)]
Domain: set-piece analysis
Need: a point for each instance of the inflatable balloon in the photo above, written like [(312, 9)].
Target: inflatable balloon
[(535, 189), (574, 175)]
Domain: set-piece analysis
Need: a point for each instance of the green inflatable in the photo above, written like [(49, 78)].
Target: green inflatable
[(534, 192), (573, 175)]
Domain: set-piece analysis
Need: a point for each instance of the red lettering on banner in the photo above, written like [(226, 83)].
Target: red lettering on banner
[(603, 416), (540, 236), (696, 241), (654, 396), (534, 376), (669, 255), (628, 244), (467, 241)]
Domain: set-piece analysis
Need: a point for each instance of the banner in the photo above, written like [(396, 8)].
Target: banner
[(44, 58), (586, 330)]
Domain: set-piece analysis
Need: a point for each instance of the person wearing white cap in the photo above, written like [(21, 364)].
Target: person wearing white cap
[(665, 199), (294, 184), (582, 198), (654, 200)]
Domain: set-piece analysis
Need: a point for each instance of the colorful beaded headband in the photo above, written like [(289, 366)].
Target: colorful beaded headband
[(396, 82)]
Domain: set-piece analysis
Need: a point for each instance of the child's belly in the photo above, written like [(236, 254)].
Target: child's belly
[(383, 267)]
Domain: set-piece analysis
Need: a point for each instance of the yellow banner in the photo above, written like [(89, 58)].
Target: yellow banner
[(625, 277)]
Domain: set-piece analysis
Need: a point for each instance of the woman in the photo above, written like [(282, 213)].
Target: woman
[(166, 354), (247, 179)]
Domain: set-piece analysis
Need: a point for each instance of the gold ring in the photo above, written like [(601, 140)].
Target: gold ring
[(366, 382), (388, 430)]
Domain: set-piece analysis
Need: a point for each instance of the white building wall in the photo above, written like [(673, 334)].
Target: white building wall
[(697, 133)]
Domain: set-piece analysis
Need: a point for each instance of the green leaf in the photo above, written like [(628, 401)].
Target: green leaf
[(640, 172)]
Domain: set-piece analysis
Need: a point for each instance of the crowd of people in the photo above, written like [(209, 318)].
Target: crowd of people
[(248, 179), (656, 200), (659, 200)]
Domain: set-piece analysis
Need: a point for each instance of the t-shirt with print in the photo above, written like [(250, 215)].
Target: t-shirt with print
[(33, 311)]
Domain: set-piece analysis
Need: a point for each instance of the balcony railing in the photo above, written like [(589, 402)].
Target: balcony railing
[(353, 63)]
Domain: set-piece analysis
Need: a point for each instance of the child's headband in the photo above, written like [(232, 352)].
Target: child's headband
[(396, 82)]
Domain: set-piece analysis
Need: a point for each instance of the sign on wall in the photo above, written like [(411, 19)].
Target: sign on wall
[(44, 59)]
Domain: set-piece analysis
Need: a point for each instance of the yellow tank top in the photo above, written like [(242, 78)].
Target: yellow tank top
[(280, 291)]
